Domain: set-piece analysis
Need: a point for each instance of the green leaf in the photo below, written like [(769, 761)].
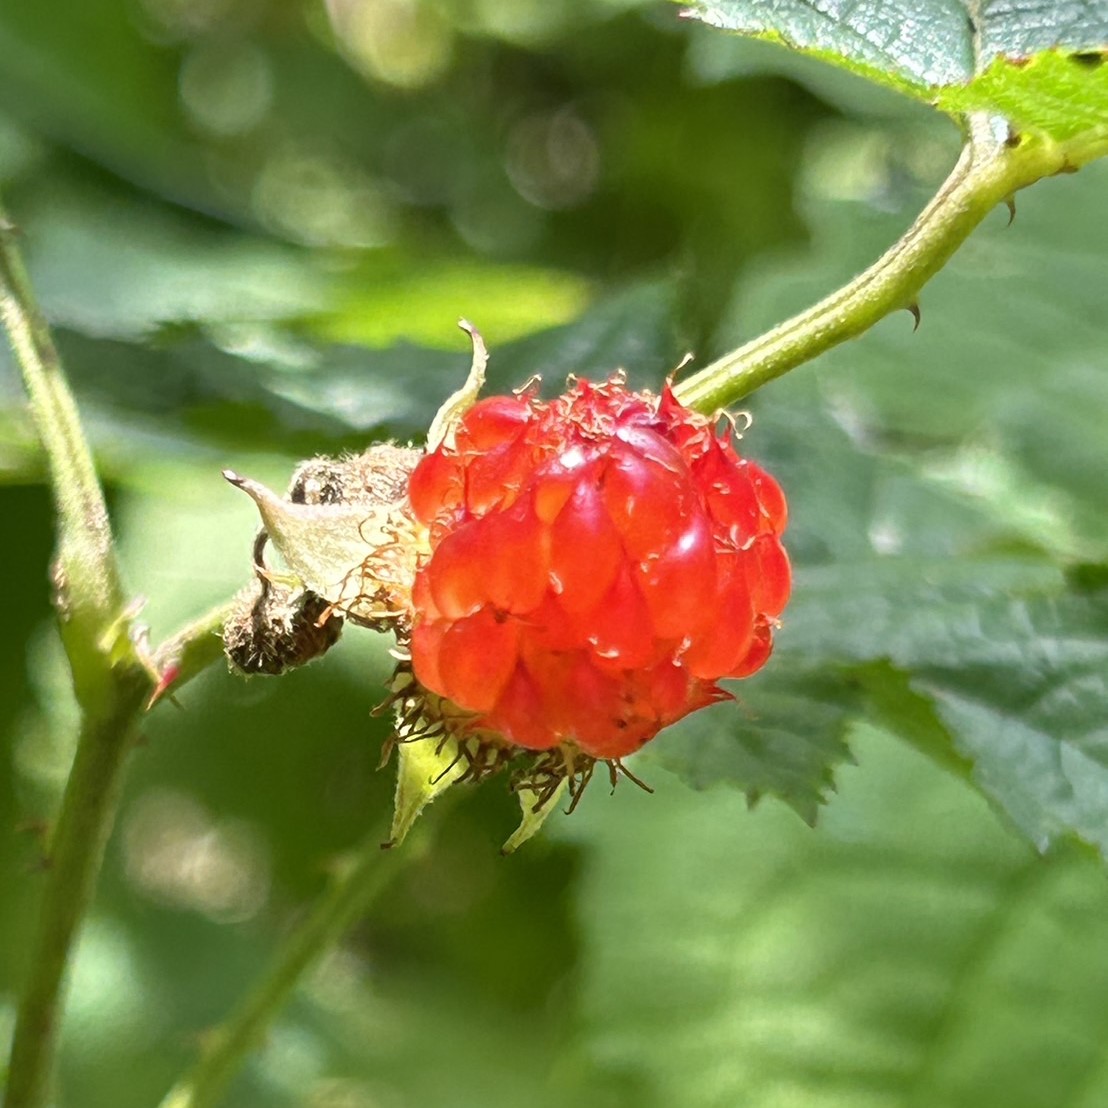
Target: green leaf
[(1014, 663), (1037, 63), (784, 738), (910, 952), (1027, 707)]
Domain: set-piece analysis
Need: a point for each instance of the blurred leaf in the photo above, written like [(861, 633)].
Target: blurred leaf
[(910, 952), (121, 100), (265, 393), (179, 270), (1016, 60), (415, 300), (110, 264)]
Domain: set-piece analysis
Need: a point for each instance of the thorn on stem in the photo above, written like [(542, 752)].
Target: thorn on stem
[(161, 688), (913, 307), (1010, 204)]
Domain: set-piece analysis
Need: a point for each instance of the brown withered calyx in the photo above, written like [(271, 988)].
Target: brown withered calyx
[(276, 626)]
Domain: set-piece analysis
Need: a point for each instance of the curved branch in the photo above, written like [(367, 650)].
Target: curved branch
[(364, 877), (992, 167)]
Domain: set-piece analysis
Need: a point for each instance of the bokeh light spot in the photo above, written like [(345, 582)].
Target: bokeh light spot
[(177, 854), (226, 90)]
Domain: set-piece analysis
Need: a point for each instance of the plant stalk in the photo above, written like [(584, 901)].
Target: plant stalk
[(76, 852), (89, 591), (365, 876), (107, 679), (110, 679), (991, 169)]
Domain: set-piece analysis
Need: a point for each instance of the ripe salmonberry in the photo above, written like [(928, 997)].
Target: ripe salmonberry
[(597, 563)]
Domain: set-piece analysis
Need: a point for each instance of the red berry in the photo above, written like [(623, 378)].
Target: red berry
[(597, 563)]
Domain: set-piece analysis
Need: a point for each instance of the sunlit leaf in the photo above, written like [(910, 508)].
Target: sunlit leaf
[(1038, 63)]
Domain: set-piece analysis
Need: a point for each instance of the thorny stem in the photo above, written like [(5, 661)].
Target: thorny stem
[(991, 169), (90, 595), (107, 679), (110, 680), (366, 875), (76, 851)]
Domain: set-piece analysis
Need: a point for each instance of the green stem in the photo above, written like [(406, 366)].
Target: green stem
[(89, 594), (109, 679), (366, 875), (989, 172), (76, 852), (190, 651), (76, 849)]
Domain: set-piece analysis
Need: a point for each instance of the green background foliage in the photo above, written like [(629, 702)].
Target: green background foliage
[(253, 225)]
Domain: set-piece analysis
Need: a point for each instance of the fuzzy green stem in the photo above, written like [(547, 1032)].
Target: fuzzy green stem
[(76, 852), (364, 877), (989, 172), (89, 591), (191, 650), (107, 679)]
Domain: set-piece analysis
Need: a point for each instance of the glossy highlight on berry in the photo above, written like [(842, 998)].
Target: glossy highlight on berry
[(598, 563)]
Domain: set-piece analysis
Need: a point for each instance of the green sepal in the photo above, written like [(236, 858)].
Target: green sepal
[(426, 769), (458, 403), (534, 815)]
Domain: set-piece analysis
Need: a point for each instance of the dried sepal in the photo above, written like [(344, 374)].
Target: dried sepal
[(345, 546), (275, 628), (359, 557), (378, 475)]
